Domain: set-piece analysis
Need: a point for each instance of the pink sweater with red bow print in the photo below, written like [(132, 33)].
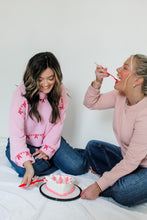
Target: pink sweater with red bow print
[(23, 130)]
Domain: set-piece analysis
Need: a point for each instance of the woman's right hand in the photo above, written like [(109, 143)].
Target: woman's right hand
[(27, 178), (91, 192), (100, 73)]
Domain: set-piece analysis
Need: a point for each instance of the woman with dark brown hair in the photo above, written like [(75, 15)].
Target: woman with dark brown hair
[(37, 115)]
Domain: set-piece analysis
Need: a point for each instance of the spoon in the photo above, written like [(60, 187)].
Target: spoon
[(110, 75), (113, 77), (33, 182)]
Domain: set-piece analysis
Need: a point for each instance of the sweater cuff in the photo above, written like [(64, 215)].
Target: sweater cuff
[(23, 157), (93, 90), (102, 183), (48, 150)]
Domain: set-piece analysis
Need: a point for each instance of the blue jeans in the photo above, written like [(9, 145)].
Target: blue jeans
[(69, 160), (129, 190)]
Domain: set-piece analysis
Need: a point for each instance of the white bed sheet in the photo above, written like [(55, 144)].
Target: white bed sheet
[(30, 204)]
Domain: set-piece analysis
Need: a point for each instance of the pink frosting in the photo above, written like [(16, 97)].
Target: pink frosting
[(58, 194), (61, 179)]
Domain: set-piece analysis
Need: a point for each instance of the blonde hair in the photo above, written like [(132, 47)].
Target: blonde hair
[(141, 69)]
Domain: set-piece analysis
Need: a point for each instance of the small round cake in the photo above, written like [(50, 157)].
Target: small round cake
[(60, 185)]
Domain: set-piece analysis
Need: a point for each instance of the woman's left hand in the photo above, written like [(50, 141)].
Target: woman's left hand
[(40, 155), (91, 192)]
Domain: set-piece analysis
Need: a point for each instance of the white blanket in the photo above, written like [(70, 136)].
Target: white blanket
[(30, 204)]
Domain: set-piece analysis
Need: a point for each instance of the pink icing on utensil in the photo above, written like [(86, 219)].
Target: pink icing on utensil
[(113, 77), (110, 75)]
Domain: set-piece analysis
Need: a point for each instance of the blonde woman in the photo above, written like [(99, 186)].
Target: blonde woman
[(123, 169)]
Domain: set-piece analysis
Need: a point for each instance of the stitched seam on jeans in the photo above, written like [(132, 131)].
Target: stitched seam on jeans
[(141, 178)]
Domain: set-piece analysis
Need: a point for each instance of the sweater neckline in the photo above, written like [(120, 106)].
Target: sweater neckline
[(135, 106), (42, 95)]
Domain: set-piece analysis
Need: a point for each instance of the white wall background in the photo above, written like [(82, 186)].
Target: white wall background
[(78, 32)]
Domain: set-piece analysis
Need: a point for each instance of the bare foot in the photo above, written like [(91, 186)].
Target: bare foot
[(92, 171)]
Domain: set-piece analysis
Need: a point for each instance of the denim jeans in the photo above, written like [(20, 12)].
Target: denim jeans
[(69, 160), (129, 190)]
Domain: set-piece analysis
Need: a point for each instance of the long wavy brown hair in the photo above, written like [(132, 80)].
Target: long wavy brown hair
[(36, 65)]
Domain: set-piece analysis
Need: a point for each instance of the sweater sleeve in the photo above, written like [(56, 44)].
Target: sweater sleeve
[(18, 148), (51, 141), (94, 100), (135, 155)]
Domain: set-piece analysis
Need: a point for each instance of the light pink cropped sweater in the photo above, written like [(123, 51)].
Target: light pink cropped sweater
[(24, 130), (130, 129)]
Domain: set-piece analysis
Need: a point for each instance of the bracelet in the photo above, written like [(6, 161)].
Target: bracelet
[(98, 186), (97, 83)]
